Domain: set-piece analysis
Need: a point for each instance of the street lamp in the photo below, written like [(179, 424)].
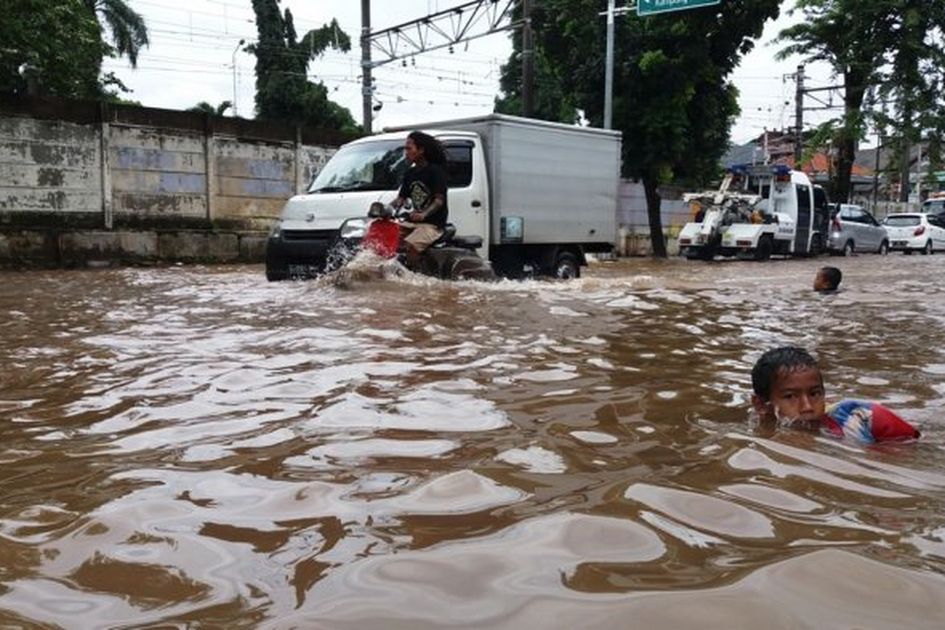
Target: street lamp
[(235, 50)]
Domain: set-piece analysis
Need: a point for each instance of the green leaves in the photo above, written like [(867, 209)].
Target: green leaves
[(283, 90), (56, 47)]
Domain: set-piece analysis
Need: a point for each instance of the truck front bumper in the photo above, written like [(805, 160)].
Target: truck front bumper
[(292, 253)]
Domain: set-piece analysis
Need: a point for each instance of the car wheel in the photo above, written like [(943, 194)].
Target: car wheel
[(765, 248), (884, 248), (928, 248), (566, 266), (848, 248)]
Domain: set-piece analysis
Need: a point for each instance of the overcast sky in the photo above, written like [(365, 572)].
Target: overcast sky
[(191, 59)]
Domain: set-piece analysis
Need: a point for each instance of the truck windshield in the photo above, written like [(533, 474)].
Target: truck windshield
[(377, 165)]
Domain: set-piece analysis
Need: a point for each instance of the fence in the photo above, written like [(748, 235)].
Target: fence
[(92, 165)]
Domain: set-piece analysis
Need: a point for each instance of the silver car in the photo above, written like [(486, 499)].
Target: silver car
[(853, 229)]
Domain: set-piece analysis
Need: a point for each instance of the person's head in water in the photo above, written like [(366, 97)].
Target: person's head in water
[(827, 279), (422, 147), (788, 385)]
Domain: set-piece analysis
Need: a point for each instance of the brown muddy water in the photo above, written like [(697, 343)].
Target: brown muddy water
[(193, 447)]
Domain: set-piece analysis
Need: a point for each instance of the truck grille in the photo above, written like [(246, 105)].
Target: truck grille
[(308, 235)]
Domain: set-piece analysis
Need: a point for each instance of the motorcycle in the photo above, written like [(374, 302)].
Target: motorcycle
[(450, 257)]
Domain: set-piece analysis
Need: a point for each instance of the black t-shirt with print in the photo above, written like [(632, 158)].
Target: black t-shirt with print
[(420, 185)]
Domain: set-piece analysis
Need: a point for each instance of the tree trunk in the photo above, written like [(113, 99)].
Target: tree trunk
[(846, 145), (656, 222), (905, 164)]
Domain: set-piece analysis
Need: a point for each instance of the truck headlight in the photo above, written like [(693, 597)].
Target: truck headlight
[(353, 228)]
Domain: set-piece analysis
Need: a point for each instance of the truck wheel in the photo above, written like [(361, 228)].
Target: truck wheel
[(765, 248), (707, 253), (276, 269), (566, 266), (816, 245)]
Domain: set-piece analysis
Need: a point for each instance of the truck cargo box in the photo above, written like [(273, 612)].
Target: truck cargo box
[(560, 179)]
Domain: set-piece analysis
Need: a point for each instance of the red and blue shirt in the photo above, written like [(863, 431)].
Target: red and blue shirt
[(866, 421)]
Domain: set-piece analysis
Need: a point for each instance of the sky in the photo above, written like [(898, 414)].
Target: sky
[(195, 56)]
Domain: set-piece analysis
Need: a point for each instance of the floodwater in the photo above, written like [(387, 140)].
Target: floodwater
[(193, 447)]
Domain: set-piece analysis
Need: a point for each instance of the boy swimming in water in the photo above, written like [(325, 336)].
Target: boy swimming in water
[(789, 388), (827, 279)]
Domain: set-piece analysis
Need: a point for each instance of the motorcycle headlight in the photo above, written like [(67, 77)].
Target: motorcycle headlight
[(353, 228)]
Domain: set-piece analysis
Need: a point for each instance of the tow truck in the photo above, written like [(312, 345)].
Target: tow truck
[(758, 211)]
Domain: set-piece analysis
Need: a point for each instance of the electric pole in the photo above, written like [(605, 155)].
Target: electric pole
[(528, 62), (366, 87), (799, 118)]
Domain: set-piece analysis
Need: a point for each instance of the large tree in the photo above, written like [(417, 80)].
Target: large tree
[(125, 25), (56, 47), (283, 91), (892, 48), (913, 80), (33, 61), (673, 100), (850, 36)]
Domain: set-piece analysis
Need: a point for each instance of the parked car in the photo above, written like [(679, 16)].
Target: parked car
[(854, 229), (915, 232), (934, 206)]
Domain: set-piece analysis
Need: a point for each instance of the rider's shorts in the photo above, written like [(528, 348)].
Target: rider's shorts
[(421, 235)]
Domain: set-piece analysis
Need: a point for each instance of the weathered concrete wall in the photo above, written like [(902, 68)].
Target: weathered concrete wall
[(253, 180), (108, 172), (50, 172), (157, 175), (633, 223)]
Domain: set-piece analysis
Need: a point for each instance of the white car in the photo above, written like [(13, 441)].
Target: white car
[(915, 232)]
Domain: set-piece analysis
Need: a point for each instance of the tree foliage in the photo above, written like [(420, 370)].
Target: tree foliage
[(283, 91), (672, 97), (203, 107), (129, 34), (56, 47), (32, 61), (889, 56)]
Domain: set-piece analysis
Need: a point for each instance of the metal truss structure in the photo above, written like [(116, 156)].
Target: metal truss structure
[(444, 29)]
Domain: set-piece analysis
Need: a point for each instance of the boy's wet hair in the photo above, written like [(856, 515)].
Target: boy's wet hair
[(831, 275), (766, 368)]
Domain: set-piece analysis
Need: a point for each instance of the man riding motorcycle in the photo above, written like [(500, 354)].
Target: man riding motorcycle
[(425, 185)]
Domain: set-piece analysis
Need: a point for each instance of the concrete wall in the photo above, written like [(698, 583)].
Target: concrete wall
[(98, 169), (633, 223), (48, 168)]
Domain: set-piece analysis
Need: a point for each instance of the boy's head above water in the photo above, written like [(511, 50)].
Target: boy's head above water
[(827, 279), (788, 385)]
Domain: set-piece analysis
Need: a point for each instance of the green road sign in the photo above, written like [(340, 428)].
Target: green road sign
[(652, 7)]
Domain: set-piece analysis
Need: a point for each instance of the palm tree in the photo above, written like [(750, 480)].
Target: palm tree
[(127, 28), (203, 107)]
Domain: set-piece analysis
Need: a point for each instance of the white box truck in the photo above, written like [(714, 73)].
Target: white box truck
[(540, 195)]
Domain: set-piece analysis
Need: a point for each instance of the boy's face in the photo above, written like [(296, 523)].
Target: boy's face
[(796, 394)]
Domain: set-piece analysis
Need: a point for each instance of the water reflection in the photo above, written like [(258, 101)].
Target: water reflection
[(196, 446)]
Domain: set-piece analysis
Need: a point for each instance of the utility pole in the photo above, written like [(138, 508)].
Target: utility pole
[(799, 117), (366, 87), (528, 62), (609, 69)]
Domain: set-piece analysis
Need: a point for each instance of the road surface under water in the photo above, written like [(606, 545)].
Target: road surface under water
[(195, 447)]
